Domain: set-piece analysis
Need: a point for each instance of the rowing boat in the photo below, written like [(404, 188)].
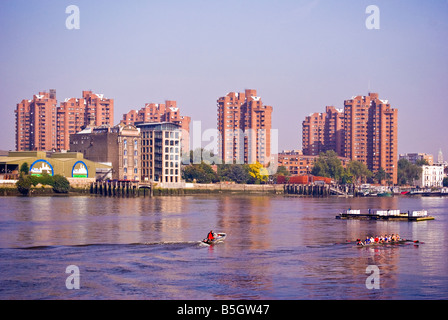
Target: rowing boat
[(361, 244), (219, 237)]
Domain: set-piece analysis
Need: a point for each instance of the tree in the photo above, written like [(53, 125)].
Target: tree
[(347, 177), (445, 182), (328, 165), (422, 162), (407, 172), (281, 172), (381, 175), (359, 171), (60, 184), (24, 184), (24, 168), (233, 172), (258, 172), (201, 173)]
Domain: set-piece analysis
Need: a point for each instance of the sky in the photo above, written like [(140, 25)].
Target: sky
[(300, 56)]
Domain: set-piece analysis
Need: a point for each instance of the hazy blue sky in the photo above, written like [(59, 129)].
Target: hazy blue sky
[(300, 55)]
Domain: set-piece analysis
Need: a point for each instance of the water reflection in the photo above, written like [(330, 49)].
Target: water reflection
[(249, 222), (277, 247)]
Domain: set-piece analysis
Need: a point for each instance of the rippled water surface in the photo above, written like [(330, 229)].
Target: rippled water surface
[(277, 248)]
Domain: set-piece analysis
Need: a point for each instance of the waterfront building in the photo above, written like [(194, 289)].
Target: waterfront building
[(244, 124), (71, 165), (118, 146), (366, 132), (415, 157), (432, 176), (36, 122), (75, 114), (161, 152), (161, 112)]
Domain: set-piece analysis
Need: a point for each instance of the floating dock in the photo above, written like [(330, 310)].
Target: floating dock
[(385, 215)]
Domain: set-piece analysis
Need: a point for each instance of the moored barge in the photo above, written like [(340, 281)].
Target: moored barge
[(385, 215)]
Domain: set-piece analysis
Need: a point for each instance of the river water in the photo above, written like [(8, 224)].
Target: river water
[(277, 247)]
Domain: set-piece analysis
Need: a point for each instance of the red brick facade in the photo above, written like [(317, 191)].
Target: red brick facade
[(42, 126), (366, 130), (159, 112), (36, 123), (74, 114), (244, 124)]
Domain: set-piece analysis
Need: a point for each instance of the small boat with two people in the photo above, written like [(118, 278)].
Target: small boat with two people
[(213, 238)]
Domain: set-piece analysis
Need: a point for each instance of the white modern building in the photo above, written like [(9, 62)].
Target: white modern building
[(161, 152), (432, 176)]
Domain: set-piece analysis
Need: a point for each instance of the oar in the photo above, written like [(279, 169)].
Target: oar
[(414, 241)]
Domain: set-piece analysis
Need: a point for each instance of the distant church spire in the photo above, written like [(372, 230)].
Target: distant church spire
[(440, 156)]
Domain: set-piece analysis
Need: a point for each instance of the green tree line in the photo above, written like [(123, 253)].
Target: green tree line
[(329, 165), (326, 165), (238, 173)]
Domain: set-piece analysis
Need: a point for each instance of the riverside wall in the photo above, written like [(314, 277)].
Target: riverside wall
[(232, 188)]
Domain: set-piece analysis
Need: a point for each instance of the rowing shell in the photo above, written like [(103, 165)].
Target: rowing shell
[(361, 244)]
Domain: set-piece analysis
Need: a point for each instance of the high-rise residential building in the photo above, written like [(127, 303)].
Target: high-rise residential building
[(42, 126), (36, 123), (244, 124), (323, 131), (366, 131), (75, 114), (161, 112), (371, 131), (161, 152)]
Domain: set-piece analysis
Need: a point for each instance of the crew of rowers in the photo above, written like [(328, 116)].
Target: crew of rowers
[(380, 239)]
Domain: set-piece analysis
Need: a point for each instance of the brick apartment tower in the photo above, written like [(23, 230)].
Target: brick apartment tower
[(371, 133), (36, 123), (159, 112), (323, 131), (75, 114), (244, 124), (366, 130)]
